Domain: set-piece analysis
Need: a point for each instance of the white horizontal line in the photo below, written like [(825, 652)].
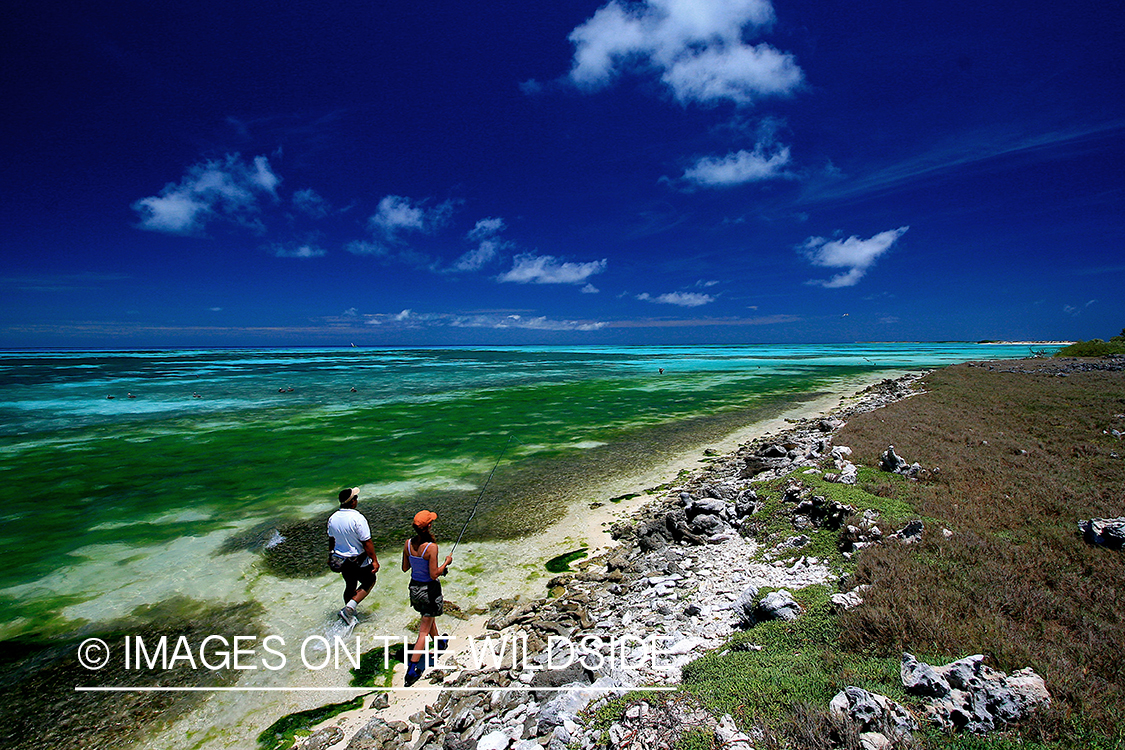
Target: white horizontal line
[(369, 689)]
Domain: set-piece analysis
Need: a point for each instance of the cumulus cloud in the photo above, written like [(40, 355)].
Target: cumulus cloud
[(227, 189), (681, 299), (488, 247), (854, 254), (479, 257), (528, 268), (696, 46), (396, 215), (739, 167)]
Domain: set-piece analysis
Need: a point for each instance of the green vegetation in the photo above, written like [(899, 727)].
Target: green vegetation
[(561, 564), (1094, 347), (695, 739), (875, 490), (284, 732), (800, 662)]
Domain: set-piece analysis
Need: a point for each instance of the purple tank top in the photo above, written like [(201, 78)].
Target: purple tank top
[(419, 566)]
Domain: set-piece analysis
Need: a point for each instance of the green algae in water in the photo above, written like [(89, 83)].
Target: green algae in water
[(377, 666), (561, 564), (38, 676), (284, 732), (148, 482)]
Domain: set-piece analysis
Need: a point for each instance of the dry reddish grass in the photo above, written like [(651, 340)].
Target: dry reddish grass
[(1015, 581)]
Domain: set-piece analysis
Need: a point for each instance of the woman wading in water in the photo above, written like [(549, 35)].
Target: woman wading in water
[(420, 557)]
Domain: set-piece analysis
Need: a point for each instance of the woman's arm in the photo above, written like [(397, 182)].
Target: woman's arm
[(405, 562), (432, 555)]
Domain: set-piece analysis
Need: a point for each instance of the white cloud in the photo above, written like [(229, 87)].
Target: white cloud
[(854, 254), (486, 228), (310, 202), (487, 250), (220, 188), (681, 299), (739, 167), (298, 251), (174, 211), (411, 319), (1075, 311), (538, 323), (739, 74), (396, 214), (590, 289), (696, 45), (545, 269), (478, 258)]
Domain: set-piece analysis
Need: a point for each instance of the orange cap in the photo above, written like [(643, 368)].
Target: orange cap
[(424, 518)]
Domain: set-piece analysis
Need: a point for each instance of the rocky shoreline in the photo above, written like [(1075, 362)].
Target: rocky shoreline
[(686, 574)]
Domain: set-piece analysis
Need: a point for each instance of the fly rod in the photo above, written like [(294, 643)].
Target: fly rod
[(482, 489)]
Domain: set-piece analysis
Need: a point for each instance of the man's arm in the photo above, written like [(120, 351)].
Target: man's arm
[(331, 544), (369, 548)]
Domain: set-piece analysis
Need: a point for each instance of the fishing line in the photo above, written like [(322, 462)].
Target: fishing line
[(511, 437)]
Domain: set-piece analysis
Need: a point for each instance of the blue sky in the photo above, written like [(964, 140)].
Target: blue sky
[(670, 171)]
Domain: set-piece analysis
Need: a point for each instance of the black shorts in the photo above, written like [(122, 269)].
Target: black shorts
[(426, 598), (353, 571)]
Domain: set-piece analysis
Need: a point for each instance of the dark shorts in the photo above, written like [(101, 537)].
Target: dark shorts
[(426, 598), (352, 571)]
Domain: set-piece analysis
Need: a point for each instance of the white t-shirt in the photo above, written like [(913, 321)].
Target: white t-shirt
[(350, 530)]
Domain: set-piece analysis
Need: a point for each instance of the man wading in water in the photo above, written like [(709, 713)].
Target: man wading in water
[(351, 553), (420, 556)]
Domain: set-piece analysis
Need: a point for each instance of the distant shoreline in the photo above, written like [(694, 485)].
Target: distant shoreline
[(1027, 343)]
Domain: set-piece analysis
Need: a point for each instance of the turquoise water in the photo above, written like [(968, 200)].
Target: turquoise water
[(96, 491)]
